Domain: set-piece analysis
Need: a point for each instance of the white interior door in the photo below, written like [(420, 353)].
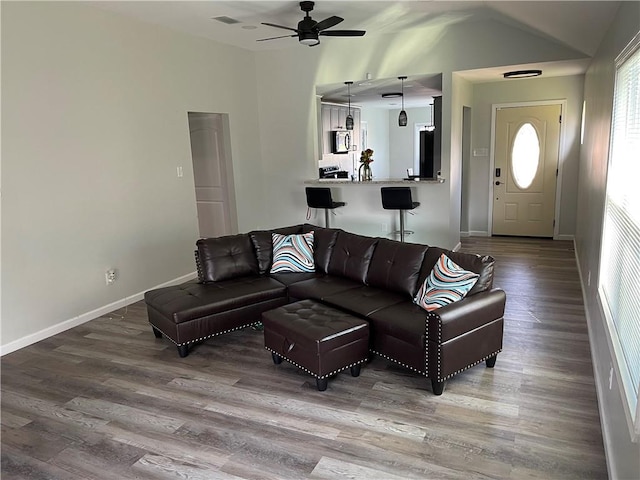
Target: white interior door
[(210, 174), (527, 143)]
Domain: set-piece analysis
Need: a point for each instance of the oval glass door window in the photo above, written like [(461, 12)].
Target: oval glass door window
[(525, 156)]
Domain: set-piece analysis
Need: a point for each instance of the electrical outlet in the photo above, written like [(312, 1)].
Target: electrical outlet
[(110, 276), (179, 171)]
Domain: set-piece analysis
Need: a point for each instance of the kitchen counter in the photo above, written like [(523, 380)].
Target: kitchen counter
[(363, 212), (381, 181)]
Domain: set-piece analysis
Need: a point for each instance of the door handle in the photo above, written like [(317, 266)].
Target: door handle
[(498, 182)]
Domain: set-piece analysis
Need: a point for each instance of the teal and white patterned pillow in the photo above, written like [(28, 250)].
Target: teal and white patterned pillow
[(292, 253), (447, 283)]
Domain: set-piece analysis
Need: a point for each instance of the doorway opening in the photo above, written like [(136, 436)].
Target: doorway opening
[(465, 204), (213, 174)]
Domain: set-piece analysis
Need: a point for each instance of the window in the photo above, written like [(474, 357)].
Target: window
[(619, 282), (525, 156)]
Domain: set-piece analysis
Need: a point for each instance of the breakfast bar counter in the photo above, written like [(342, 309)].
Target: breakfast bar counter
[(383, 181), (363, 212)]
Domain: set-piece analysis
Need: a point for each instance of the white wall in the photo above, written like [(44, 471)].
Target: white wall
[(623, 456), (377, 140), (94, 118), (402, 139), (461, 97), (568, 88)]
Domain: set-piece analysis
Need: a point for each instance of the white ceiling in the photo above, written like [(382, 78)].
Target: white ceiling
[(418, 91), (576, 24)]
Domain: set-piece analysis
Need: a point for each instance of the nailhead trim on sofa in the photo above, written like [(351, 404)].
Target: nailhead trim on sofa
[(426, 373), (469, 366), (198, 267), (204, 338), (314, 374), (396, 361)]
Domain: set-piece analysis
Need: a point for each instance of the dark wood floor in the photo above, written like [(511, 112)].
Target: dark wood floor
[(107, 400)]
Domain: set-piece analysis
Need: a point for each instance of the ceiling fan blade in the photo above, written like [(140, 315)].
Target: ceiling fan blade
[(279, 26), (328, 23), (273, 38), (343, 33)]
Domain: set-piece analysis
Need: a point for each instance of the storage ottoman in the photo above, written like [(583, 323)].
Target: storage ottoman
[(317, 338)]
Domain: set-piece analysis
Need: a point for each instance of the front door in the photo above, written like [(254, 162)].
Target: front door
[(526, 169), (210, 174)]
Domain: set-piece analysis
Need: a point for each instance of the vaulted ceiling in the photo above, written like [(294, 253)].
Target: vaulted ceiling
[(579, 25)]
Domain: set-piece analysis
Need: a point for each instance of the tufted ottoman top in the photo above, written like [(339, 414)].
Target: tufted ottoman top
[(310, 322)]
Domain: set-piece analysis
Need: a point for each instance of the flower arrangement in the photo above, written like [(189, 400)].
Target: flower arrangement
[(364, 172), (366, 157)]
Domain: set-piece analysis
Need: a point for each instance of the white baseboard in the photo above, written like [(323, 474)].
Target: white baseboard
[(564, 237), (464, 234), (606, 436), (85, 317), (457, 247), (478, 233)]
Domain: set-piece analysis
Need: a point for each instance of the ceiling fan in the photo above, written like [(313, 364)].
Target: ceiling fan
[(309, 30)]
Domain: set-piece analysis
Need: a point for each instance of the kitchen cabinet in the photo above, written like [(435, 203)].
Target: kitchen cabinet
[(334, 117)]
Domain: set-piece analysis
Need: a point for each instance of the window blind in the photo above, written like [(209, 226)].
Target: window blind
[(619, 280)]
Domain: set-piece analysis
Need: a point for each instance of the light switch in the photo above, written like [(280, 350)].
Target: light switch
[(179, 171), (480, 152)]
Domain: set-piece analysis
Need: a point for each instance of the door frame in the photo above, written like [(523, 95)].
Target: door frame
[(228, 179), (492, 160)]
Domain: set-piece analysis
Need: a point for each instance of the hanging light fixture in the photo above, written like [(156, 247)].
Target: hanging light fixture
[(402, 118), (349, 121), (432, 125)]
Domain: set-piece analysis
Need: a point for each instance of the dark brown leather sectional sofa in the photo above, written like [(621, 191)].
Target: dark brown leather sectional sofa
[(372, 278)]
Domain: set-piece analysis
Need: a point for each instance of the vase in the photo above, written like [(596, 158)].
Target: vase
[(364, 173)]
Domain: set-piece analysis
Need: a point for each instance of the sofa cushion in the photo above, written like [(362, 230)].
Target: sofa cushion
[(404, 321), (324, 241), (262, 243), (363, 300), (351, 256), (447, 283), (482, 265), (292, 253), (226, 257), (396, 266), (320, 287), (288, 278), (190, 301)]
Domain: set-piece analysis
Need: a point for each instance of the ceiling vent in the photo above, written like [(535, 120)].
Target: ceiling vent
[(227, 20)]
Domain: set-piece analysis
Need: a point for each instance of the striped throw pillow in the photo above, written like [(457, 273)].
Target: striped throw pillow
[(292, 253), (447, 283)]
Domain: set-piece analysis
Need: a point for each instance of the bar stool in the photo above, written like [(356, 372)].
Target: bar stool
[(398, 198), (320, 197)]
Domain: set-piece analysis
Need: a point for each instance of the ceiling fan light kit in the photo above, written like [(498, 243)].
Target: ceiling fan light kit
[(522, 74), (309, 30), (307, 38), (402, 118)]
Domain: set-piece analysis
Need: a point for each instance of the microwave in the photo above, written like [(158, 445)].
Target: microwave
[(340, 141)]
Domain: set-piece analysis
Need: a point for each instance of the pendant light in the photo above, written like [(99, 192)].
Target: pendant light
[(432, 125), (402, 118), (349, 121)]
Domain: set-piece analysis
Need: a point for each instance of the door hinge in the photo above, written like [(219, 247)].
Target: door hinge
[(556, 172), (560, 119), (554, 222)]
